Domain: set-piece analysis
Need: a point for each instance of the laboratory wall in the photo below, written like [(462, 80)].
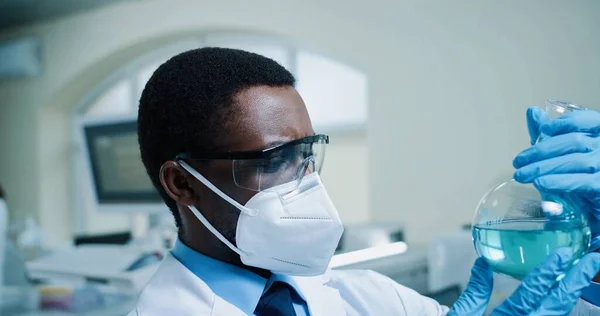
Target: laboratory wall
[(448, 115), (449, 83)]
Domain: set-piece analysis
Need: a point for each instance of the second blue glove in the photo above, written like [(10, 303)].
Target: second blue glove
[(566, 161)]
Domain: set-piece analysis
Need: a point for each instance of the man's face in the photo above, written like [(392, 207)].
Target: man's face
[(262, 117)]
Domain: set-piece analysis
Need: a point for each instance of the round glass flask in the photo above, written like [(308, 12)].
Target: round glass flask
[(516, 227)]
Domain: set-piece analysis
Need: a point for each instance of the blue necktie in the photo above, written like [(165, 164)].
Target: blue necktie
[(277, 301)]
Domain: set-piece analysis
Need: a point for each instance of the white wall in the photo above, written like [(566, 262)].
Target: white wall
[(449, 84), (346, 176), (448, 115)]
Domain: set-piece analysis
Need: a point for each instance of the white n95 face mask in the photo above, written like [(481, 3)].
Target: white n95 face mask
[(292, 233)]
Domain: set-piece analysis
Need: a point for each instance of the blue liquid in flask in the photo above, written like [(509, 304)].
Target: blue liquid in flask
[(516, 247)]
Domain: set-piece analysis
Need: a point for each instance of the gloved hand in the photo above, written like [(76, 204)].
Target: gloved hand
[(566, 161), (475, 298), (538, 294)]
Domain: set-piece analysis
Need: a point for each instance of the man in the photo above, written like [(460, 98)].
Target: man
[(228, 143)]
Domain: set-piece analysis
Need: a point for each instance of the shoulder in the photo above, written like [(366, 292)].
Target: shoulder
[(367, 283), (174, 290), (381, 293)]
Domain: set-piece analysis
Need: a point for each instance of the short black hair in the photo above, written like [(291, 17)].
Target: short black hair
[(186, 102)]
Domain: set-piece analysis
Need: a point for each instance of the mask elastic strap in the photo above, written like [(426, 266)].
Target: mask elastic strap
[(215, 232), (212, 187)]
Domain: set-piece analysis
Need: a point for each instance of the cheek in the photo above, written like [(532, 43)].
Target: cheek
[(220, 213), (211, 203), (220, 175)]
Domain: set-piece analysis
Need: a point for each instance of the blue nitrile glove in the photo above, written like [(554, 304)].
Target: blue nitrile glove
[(538, 294), (536, 117), (475, 298), (566, 162)]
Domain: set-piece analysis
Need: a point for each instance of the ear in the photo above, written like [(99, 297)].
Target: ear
[(174, 180)]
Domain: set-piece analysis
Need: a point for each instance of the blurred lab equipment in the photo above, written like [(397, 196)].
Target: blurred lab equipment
[(448, 260), (30, 240), (114, 238), (396, 260), (366, 235), (15, 271), (439, 269), (119, 179), (113, 160), (515, 227), (380, 246), (16, 293), (123, 267), (98, 274), (92, 279)]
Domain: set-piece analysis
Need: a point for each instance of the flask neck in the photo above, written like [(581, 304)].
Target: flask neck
[(556, 109)]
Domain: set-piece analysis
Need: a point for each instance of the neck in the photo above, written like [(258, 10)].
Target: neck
[(211, 246)]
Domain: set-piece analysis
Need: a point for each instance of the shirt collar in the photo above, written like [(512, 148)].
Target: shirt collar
[(235, 285)]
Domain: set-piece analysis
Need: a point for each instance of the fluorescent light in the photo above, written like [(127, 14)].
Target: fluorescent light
[(367, 254)]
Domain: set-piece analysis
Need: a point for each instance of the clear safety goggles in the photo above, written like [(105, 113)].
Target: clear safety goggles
[(264, 169)]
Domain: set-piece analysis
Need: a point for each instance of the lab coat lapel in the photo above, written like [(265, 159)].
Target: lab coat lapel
[(174, 290), (322, 300), (223, 308)]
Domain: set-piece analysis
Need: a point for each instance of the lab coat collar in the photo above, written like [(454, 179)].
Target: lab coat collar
[(235, 285), (319, 296), (243, 288), (175, 290)]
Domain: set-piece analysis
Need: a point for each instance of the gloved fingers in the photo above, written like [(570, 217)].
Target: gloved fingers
[(536, 285), (577, 163), (585, 183), (581, 190), (563, 297), (475, 298), (586, 121), (557, 146), (536, 117)]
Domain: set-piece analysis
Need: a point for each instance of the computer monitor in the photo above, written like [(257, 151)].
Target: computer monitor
[(119, 179)]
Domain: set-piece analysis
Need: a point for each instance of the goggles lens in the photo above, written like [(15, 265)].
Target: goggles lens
[(285, 165)]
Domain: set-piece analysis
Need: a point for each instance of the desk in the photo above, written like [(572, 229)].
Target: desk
[(120, 309)]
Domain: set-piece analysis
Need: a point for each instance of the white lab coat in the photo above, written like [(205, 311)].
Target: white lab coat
[(174, 290)]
